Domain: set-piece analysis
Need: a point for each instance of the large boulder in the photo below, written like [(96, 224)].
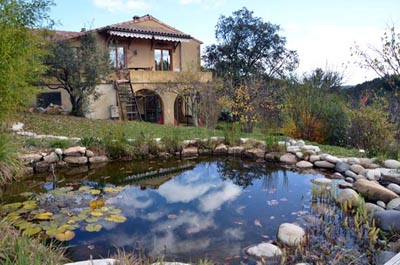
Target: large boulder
[(75, 151), (393, 164), (373, 191), (290, 234), (324, 164), (289, 159), (388, 220), (342, 167), (304, 164), (314, 158), (76, 160), (357, 168), (333, 159), (266, 250), (348, 196)]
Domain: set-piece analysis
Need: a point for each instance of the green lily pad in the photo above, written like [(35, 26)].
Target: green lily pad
[(115, 211), (94, 192), (11, 206), (85, 188), (115, 218), (32, 230), (26, 194), (93, 227), (43, 216), (92, 219), (65, 236)]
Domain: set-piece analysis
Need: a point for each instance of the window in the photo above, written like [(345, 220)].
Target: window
[(45, 99), (117, 57), (162, 60)]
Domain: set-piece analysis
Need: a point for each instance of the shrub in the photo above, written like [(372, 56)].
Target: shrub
[(63, 144), (91, 141), (370, 128), (232, 133)]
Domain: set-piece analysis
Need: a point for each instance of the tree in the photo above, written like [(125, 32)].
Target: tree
[(249, 55), (385, 62), (78, 69), (21, 51)]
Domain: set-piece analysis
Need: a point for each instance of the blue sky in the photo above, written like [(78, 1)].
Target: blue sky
[(322, 31)]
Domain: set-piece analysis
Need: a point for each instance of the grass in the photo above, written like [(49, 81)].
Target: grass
[(337, 150), (23, 250), (10, 165)]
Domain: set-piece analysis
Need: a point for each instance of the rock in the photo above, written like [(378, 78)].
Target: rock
[(190, 151), (345, 185), (52, 158), (349, 196), (61, 164), (235, 150), (360, 177), (164, 155), (293, 149), (322, 181), (383, 257), (16, 127), (381, 204), (98, 159), (333, 159), (324, 164), (392, 164), (393, 204), (342, 167), (75, 151), (273, 157), (353, 161), (299, 155), (41, 166), (95, 262), (29, 134), (394, 187), (337, 175), (373, 191), (304, 164), (300, 143), (391, 176), (28, 171), (371, 207), (221, 149), (255, 153), (373, 174), (266, 250), (76, 160), (58, 151), (289, 159), (89, 153), (311, 149), (30, 158), (349, 180), (350, 174), (204, 152), (388, 220), (187, 143), (356, 168), (290, 234), (314, 158)]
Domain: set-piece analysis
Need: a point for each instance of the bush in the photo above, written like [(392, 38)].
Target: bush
[(232, 133), (371, 130)]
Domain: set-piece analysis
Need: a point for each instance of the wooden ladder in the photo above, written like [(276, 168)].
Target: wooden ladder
[(127, 100)]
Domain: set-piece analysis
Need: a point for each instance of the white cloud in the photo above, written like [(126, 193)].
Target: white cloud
[(215, 199), (204, 3), (125, 6)]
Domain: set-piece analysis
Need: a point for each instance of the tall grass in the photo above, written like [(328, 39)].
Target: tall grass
[(23, 250), (10, 166)]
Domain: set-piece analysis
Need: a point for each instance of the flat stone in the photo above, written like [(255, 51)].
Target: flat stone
[(394, 187), (345, 185), (371, 207), (236, 150), (333, 159), (266, 250), (290, 234), (30, 158), (190, 151), (75, 151), (255, 153), (350, 174), (76, 160), (89, 153), (393, 204), (342, 167), (353, 161), (221, 149), (311, 148), (98, 159), (391, 176), (51, 158), (289, 159), (95, 262), (314, 158), (373, 191), (348, 196), (388, 220), (391, 163), (324, 164), (304, 164), (322, 181), (356, 168)]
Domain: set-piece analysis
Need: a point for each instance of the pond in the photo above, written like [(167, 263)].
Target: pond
[(193, 210)]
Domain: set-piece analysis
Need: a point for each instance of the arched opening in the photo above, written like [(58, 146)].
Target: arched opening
[(150, 106), (182, 112)]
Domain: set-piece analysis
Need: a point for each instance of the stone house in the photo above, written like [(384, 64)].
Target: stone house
[(145, 53)]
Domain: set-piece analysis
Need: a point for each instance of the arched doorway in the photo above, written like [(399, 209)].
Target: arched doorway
[(182, 111), (150, 106)]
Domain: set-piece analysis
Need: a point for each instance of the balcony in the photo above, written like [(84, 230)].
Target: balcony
[(153, 77)]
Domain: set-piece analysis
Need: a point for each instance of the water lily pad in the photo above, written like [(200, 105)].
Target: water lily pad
[(85, 188), (115, 218), (112, 190), (93, 227), (96, 213), (94, 192), (26, 194), (66, 236), (94, 204), (92, 219), (11, 206), (115, 211), (43, 216), (32, 230)]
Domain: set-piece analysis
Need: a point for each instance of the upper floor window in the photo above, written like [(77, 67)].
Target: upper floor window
[(117, 57), (162, 60)]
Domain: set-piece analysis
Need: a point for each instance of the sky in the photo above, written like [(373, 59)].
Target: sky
[(321, 31)]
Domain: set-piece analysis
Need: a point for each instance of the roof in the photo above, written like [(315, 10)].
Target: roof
[(65, 35), (135, 28)]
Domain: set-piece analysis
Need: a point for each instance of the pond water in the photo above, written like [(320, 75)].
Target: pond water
[(211, 209)]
